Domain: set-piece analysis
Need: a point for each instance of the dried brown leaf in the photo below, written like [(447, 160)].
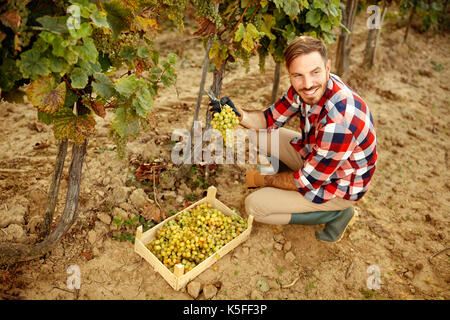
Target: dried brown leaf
[(206, 27), (150, 211)]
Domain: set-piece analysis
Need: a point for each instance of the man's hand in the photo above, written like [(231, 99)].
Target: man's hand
[(216, 106), (283, 180)]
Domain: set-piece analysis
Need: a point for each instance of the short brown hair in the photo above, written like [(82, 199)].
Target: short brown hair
[(304, 45)]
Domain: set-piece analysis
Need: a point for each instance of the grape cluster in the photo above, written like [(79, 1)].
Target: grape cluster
[(194, 235), (225, 122)]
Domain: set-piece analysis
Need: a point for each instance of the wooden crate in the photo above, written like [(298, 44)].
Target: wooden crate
[(178, 279)]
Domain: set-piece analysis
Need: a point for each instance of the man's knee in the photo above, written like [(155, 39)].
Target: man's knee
[(252, 205)]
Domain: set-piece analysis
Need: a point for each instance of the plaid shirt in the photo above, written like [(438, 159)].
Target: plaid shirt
[(338, 142)]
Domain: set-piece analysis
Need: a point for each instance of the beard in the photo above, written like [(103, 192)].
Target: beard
[(313, 94)]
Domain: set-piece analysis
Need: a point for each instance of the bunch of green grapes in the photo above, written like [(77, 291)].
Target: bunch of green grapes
[(225, 122), (194, 235)]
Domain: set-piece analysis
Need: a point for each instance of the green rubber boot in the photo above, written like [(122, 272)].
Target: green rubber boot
[(314, 218), (336, 222)]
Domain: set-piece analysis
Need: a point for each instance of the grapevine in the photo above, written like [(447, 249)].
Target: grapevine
[(194, 235)]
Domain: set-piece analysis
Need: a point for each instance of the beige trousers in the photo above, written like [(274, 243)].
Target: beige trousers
[(275, 206)]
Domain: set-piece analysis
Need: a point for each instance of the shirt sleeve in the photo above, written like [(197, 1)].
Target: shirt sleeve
[(278, 114), (335, 144)]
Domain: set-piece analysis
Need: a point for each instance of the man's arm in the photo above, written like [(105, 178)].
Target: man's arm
[(253, 119)]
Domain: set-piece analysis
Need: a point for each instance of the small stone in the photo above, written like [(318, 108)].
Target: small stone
[(409, 275), (287, 246), (126, 206), (106, 181), (92, 236), (119, 194), (138, 198), (419, 266), (119, 212), (193, 289), (104, 217), (278, 246), (256, 295), (209, 291), (179, 199), (279, 238), (289, 256)]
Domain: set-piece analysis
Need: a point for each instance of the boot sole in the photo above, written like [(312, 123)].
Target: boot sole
[(351, 222)]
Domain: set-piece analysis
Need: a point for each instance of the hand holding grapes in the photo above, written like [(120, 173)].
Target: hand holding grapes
[(216, 106)]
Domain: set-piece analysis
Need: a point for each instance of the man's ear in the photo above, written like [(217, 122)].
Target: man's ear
[(328, 66)]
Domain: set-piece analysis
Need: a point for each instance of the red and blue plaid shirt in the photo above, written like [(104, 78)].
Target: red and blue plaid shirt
[(337, 142)]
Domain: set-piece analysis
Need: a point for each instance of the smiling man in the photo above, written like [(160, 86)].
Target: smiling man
[(331, 158)]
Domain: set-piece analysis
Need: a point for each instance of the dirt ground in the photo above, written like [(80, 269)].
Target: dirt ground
[(404, 218)]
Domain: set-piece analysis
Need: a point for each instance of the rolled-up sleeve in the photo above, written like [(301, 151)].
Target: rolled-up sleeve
[(278, 114)]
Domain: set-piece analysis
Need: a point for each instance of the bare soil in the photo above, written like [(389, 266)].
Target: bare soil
[(404, 218)]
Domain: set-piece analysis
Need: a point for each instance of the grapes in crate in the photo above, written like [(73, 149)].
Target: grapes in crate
[(194, 235)]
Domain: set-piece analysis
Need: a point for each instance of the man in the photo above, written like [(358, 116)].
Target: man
[(332, 159)]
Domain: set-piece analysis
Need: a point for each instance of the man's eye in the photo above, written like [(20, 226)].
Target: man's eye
[(316, 72)]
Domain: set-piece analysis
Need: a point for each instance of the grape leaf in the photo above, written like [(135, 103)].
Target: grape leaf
[(313, 17), (119, 17), (88, 67), (143, 102), (239, 35), (85, 30), (129, 85), (125, 123), (266, 27), (68, 125), (128, 53), (45, 117), (54, 24), (87, 51), (79, 78), (44, 96), (143, 52), (172, 58), (58, 65), (291, 8), (318, 4), (32, 64), (99, 18), (103, 86)]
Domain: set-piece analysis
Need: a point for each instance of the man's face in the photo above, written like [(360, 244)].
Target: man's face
[(309, 76)]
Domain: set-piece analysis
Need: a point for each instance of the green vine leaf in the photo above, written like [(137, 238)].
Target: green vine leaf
[(87, 51), (99, 18), (32, 64), (78, 78), (85, 30), (44, 96), (103, 86), (129, 85), (54, 24), (143, 102)]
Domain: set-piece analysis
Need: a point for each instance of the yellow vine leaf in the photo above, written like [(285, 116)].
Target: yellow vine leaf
[(68, 125), (144, 24), (44, 96)]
